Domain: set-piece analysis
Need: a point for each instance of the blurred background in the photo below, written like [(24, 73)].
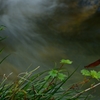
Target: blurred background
[(42, 32)]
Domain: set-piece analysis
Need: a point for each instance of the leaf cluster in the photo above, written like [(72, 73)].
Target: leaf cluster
[(91, 73), (47, 85)]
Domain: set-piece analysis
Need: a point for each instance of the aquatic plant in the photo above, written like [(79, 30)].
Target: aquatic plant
[(47, 85), (1, 39)]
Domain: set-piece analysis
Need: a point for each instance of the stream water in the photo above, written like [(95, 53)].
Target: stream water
[(42, 32)]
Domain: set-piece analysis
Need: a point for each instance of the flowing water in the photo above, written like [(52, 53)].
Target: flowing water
[(42, 32)]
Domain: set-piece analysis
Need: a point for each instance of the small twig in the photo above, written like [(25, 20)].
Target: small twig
[(78, 94), (61, 67), (49, 84)]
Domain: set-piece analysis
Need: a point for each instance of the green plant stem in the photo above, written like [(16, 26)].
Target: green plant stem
[(61, 67), (4, 59), (61, 84), (49, 84)]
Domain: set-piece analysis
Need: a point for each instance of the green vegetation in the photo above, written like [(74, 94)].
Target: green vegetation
[(47, 85), (91, 73), (1, 39)]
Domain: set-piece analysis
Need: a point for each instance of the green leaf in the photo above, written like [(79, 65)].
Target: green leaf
[(64, 61), (4, 59), (1, 50), (2, 28), (85, 72), (94, 74), (1, 39), (47, 77), (98, 74), (53, 73), (61, 76)]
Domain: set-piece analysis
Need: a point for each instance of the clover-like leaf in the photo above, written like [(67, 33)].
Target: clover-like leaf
[(53, 73), (98, 74), (85, 72), (64, 61), (61, 76), (94, 74)]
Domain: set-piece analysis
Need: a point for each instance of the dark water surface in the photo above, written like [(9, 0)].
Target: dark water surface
[(42, 32)]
